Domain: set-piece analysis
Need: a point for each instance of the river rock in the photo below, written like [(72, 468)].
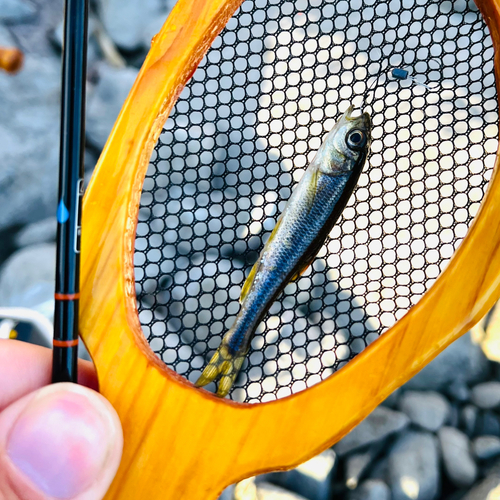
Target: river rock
[(357, 464), (106, 100), (486, 447), (486, 395), (487, 489), (463, 360), (44, 231), (16, 11), (392, 400), (468, 419), (129, 23), (29, 141), (414, 467), (27, 279), (488, 423), (312, 479), (267, 491), (428, 410), (458, 462), (371, 489), (382, 422), (458, 391)]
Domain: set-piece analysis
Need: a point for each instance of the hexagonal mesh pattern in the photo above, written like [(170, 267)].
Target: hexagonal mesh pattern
[(239, 139)]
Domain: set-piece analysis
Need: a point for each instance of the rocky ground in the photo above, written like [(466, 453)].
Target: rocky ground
[(437, 437)]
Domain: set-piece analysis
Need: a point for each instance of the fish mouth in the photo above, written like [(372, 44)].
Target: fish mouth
[(363, 120)]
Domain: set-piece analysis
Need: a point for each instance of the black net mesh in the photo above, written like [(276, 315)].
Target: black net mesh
[(239, 139)]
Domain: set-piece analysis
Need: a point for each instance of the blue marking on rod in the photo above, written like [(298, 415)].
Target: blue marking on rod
[(62, 213), (400, 74)]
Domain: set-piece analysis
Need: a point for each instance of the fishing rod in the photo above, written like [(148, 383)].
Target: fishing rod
[(71, 171)]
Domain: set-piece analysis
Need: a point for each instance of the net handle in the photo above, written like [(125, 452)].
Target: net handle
[(184, 443)]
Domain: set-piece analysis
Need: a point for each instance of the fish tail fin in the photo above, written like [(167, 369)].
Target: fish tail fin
[(225, 364)]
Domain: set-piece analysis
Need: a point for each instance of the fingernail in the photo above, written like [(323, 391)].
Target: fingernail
[(61, 440)]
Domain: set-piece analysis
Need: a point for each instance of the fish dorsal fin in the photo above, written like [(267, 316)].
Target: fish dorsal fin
[(248, 282)]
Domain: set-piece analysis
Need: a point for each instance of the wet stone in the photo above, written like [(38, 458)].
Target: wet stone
[(486, 447), (486, 395), (414, 467), (457, 458), (381, 423), (428, 410)]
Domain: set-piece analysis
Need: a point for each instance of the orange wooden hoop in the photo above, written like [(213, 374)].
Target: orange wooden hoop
[(184, 443)]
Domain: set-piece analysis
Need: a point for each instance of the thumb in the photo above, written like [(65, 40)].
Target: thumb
[(63, 441)]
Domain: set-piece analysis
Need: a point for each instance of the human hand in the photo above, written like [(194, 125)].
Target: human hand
[(61, 441)]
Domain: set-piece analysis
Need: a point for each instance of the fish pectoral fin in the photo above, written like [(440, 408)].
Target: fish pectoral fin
[(225, 365)]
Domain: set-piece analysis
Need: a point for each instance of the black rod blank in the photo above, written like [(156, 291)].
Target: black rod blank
[(71, 169)]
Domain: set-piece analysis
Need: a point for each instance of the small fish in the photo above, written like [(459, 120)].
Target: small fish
[(312, 210)]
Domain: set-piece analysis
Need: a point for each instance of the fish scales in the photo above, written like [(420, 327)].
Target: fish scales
[(295, 235)]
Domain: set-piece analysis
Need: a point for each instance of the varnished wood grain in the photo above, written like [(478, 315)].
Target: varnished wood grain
[(183, 443)]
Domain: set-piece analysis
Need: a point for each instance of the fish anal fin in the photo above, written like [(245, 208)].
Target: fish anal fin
[(248, 282)]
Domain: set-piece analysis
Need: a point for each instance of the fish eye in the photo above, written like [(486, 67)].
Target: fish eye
[(356, 139)]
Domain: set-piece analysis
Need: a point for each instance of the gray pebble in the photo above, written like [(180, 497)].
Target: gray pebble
[(486, 447), (468, 419), (462, 361), (105, 101), (487, 424), (16, 11), (357, 464), (312, 479), (381, 423), (371, 489), (486, 395), (44, 231), (458, 391), (428, 410), (128, 23), (487, 489), (29, 141), (414, 467), (266, 491), (392, 400), (27, 279), (458, 462)]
